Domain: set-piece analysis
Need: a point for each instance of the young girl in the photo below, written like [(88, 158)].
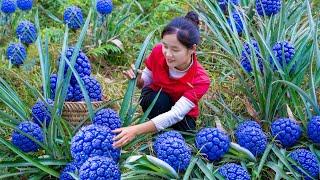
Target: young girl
[(173, 68)]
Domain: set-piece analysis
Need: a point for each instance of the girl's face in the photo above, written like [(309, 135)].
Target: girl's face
[(177, 55)]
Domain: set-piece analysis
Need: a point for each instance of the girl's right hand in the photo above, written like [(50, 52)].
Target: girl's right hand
[(130, 72)]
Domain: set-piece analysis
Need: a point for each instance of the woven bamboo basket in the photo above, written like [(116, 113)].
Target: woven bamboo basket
[(76, 112)]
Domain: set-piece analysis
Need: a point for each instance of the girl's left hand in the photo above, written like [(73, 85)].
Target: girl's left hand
[(125, 135)]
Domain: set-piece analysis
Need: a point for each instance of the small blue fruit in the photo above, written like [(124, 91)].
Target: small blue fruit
[(8, 6), (101, 168), (73, 17), (27, 32), (16, 53), (286, 131), (313, 129), (232, 171), (104, 7), (107, 117), (24, 5), (25, 143), (212, 142), (93, 140)]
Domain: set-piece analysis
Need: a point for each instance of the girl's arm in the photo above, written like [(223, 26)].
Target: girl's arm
[(144, 77), (158, 123), (127, 134)]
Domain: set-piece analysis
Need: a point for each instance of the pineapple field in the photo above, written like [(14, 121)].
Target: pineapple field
[(63, 93)]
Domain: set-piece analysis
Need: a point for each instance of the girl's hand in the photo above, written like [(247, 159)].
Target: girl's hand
[(130, 72), (125, 135)]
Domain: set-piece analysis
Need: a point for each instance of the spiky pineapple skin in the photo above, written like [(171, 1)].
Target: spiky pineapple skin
[(73, 17), (104, 7), (237, 20), (25, 143), (246, 54), (286, 131), (284, 52), (8, 6), (175, 152), (16, 53), (93, 140), (27, 32), (166, 135), (82, 65), (25, 5), (41, 113), (313, 129), (93, 88), (268, 7), (53, 86), (253, 139), (101, 168), (247, 123), (232, 171), (107, 117), (224, 4), (307, 162), (212, 142), (70, 167)]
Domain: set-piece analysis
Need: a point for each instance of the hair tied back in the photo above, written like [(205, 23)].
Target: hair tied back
[(193, 17)]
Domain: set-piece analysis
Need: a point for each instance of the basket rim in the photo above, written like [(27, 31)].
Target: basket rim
[(104, 99), (83, 102)]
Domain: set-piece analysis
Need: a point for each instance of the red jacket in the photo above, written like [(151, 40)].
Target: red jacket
[(193, 85)]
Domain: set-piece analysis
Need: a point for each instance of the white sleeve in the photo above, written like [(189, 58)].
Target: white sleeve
[(146, 76), (176, 114)]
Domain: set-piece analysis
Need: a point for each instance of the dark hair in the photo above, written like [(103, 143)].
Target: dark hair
[(186, 28)]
